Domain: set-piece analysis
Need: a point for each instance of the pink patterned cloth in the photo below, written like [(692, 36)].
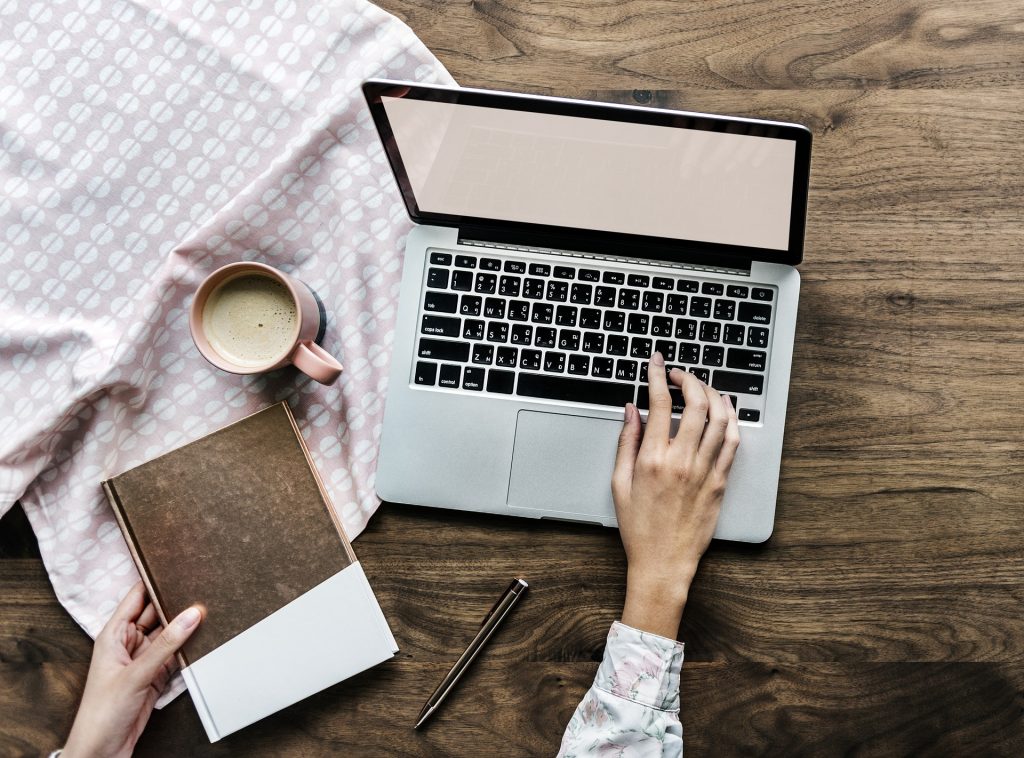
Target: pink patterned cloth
[(142, 145)]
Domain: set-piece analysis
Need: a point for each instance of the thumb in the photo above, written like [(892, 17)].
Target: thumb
[(163, 647), (625, 458)]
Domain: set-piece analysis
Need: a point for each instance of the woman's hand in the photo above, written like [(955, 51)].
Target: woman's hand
[(668, 491), (132, 661)]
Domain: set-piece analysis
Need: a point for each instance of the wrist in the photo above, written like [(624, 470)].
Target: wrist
[(654, 604)]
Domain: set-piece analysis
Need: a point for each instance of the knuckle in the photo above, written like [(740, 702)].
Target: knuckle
[(700, 405)]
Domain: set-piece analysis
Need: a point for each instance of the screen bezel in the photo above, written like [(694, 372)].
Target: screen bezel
[(593, 240)]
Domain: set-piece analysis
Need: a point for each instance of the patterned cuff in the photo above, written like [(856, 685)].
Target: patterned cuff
[(642, 667)]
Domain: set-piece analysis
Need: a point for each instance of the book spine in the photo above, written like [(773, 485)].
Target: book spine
[(205, 715)]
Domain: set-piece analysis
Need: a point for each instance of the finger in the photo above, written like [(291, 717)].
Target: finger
[(714, 432), (148, 620), (732, 440), (127, 610), (659, 418), (695, 413), (625, 457), (163, 646)]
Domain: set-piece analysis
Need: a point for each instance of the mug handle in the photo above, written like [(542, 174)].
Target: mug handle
[(311, 359)]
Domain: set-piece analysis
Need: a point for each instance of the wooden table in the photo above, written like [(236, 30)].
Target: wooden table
[(884, 617)]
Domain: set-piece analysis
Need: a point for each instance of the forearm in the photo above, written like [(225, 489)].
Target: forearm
[(655, 600)]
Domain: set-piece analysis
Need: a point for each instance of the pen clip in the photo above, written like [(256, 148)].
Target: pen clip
[(510, 591)]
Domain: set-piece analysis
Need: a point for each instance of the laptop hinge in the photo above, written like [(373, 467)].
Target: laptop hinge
[(685, 259)]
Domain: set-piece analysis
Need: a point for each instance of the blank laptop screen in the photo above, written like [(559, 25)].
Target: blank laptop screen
[(586, 173)]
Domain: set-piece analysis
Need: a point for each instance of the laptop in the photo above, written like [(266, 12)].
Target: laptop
[(558, 244)]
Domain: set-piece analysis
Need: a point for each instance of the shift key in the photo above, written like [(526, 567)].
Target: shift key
[(444, 350), (732, 381)]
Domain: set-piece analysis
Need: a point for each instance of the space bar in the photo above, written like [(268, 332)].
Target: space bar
[(574, 390)]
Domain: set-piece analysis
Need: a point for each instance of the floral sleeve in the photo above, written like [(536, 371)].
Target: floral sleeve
[(632, 709)]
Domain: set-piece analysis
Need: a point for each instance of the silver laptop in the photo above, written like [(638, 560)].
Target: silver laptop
[(558, 244)]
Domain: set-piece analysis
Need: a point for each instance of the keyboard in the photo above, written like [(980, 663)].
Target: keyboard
[(580, 330)]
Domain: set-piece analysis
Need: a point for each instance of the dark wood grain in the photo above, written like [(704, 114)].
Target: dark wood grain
[(886, 614)]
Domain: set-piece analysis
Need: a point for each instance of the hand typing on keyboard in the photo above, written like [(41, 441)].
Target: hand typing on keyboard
[(668, 491)]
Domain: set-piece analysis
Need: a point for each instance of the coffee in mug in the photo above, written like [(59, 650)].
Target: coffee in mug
[(247, 318)]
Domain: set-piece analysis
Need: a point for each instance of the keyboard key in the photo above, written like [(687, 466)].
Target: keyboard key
[(760, 293), (667, 349), (730, 381), (443, 350), (558, 291), (701, 373), (450, 376), (757, 336), (639, 280), (735, 290), (533, 289), (613, 277), (440, 259), (593, 342), (522, 334), (749, 414), (442, 326), (574, 390), (497, 331), (661, 326), (686, 329), (473, 329), (629, 299), (470, 305), (725, 309), (426, 373), (490, 264), (614, 321), (713, 355), (590, 318), (643, 399), (733, 334), (529, 359), (462, 281), (748, 360), (638, 323), (473, 378), (653, 302), (494, 307), (712, 288), (709, 331), (437, 278), (700, 307), (625, 371), (540, 269), (519, 310), (515, 267), (618, 344), (465, 261), (640, 347), (565, 315), (602, 367), (755, 313), (686, 285), (500, 381), (676, 305), (689, 352), (605, 297), (554, 362), (569, 339), (543, 313), (589, 275), (483, 354), (579, 364), (441, 302), (661, 283), (486, 284), (581, 294), (544, 336), (509, 286), (506, 357), (565, 272)]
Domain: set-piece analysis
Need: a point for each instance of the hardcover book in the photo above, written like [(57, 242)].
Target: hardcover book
[(239, 522)]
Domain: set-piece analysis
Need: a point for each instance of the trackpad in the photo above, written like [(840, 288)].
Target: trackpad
[(563, 464)]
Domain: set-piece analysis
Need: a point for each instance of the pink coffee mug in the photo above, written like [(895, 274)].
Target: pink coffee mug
[(247, 318)]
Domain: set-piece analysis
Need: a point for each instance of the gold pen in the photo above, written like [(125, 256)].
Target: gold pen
[(491, 622)]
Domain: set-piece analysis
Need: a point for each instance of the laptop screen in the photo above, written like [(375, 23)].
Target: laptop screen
[(728, 183)]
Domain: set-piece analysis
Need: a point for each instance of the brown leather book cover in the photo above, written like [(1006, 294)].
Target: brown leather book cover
[(237, 521)]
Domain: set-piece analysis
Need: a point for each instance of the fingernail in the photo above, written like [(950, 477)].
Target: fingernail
[(189, 617), (657, 359), (629, 412), (728, 402)]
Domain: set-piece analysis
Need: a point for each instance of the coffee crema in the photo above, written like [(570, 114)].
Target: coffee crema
[(251, 320)]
